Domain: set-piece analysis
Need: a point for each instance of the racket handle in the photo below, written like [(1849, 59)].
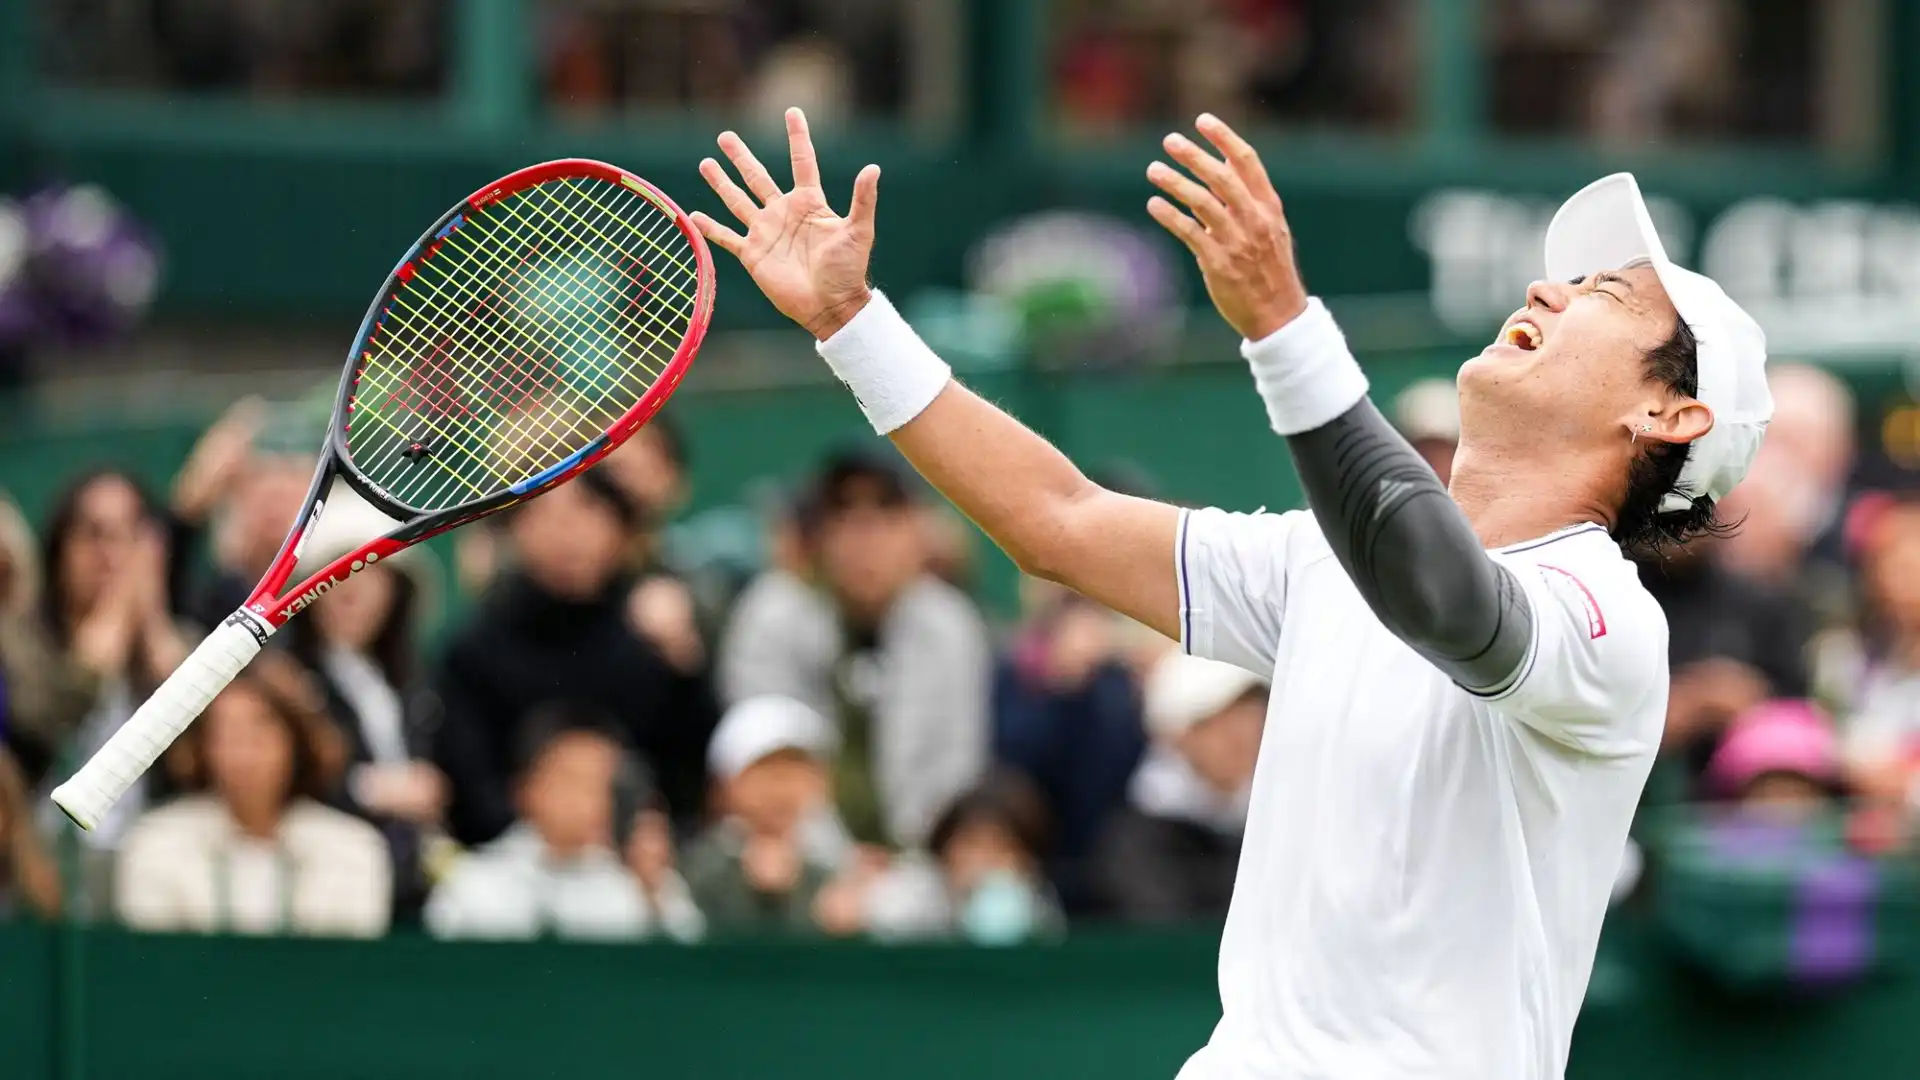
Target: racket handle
[(90, 793)]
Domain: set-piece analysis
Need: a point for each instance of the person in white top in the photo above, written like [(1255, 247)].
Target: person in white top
[(257, 851), (1467, 691), (556, 871)]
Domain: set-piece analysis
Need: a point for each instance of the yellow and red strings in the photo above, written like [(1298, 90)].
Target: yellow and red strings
[(483, 352)]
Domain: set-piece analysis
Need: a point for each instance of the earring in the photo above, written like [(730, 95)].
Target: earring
[(1635, 435)]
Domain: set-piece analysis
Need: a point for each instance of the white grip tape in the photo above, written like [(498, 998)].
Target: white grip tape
[(90, 793)]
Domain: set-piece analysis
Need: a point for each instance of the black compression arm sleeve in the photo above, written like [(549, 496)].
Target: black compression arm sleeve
[(1410, 551)]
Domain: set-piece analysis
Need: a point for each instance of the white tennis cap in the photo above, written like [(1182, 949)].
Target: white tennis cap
[(1183, 690), (1605, 226), (760, 727)]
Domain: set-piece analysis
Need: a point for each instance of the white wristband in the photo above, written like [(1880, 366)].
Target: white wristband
[(1304, 371), (892, 373)]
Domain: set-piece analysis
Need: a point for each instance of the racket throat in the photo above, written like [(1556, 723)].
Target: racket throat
[(257, 625)]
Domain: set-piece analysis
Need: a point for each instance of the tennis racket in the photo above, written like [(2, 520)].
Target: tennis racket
[(527, 333)]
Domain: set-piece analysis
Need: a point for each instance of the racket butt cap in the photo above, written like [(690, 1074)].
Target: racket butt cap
[(73, 803)]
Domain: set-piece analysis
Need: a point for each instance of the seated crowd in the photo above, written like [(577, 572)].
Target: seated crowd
[(601, 747)]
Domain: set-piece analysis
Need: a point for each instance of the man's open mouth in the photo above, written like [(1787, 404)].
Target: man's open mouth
[(1523, 334)]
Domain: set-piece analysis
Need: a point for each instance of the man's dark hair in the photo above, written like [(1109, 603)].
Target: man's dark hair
[(1642, 527), (673, 441), (1005, 798), (849, 478), (549, 722)]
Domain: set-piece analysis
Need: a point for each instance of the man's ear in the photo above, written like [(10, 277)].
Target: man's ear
[(1678, 420)]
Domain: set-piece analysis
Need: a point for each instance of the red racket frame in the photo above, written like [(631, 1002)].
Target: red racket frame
[(273, 602)]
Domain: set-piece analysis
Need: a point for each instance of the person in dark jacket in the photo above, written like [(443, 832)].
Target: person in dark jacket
[(567, 623), (1170, 854), (1066, 712), (1732, 642)]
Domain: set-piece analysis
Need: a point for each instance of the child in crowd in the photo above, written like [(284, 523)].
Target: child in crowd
[(555, 872), (777, 843), (984, 883)]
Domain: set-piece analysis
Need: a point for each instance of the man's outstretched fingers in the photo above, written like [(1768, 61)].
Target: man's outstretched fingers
[(866, 197), (1239, 153), (806, 166), (1197, 199), (1221, 180), (739, 202), (759, 181), (1184, 228), (719, 235)]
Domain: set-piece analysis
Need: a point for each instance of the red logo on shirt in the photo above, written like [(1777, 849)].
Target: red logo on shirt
[(1596, 619)]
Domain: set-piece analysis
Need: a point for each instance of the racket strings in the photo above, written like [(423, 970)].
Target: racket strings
[(634, 305), (517, 373), (511, 372), (517, 338)]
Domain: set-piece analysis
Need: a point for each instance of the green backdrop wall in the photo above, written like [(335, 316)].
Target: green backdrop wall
[(102, 1005)]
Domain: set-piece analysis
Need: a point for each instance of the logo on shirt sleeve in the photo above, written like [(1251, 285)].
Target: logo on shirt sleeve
[(1596, 619)]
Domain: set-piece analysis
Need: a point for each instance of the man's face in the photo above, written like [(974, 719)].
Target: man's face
[(980, 848), (568, 794), (1893, 568), (869, 550), (265, 500), (645, 469), (772, 796), (1570, 366), (570, 543), (249, 752)]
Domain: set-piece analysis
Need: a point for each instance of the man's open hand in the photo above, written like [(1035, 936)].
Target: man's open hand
[(1237, 230), (811, 262)]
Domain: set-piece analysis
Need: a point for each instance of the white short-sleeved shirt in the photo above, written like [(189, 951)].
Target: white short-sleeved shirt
[(1425, 870)]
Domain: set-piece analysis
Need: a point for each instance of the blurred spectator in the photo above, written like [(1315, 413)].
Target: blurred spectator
[(898, 656), (1066, 713), (1732, 643), (219, 458), (1778, 759), (106, 606), (254, 850), (948, 538), (643, 836), (44, 693), (1779, 884), (29, 880), (358, 640), (651, 467), (1171, 853), (1639, 71), (1291, 61), (1792, 505), (1883, 735), (271, 48), (239, 499), (1793, 509), (984, 884), (568, 623), (776, 844), (835, 58), (555, 871), (1428, 416)]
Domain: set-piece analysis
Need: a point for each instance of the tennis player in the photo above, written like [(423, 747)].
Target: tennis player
[(1468, 684)]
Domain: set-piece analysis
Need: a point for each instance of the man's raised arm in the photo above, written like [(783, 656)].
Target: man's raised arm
[(1406, 546), (1024, 493)]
